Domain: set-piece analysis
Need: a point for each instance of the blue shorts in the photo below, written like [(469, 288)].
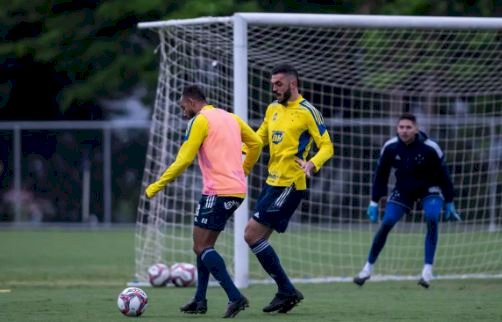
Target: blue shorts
[(276, 205), (214, 211), (407, 200)]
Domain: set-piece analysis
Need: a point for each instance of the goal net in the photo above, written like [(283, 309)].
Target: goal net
[(361, 72)]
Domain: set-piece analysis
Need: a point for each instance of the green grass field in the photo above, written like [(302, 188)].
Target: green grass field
[(76, 275)]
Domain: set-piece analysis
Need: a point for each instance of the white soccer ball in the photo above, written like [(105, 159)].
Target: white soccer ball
[(159, 274), (132, 301), (183, 274)]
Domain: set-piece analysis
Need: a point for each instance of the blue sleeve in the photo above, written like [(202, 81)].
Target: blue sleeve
[(381, 176)]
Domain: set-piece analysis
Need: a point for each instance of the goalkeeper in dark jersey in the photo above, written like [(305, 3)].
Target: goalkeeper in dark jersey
[(421, 176), (290, 126)]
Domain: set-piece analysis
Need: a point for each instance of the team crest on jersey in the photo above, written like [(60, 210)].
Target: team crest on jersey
[(419, 158), (277, 136)]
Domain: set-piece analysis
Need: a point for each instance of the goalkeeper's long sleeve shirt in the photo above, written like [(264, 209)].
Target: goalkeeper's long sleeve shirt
[(419, 167)]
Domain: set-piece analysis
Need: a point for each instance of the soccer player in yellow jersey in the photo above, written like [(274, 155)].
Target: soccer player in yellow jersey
[(217, 137), (290, 126)]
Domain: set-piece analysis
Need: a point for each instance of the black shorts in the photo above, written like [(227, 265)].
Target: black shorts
[(276, 205), (214, 211), (407, 199)]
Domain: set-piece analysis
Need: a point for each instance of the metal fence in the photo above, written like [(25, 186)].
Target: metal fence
[(78, 171)]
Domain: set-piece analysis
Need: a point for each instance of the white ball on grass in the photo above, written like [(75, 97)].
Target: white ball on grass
[(132, 301), (159, 274), (183, 274)]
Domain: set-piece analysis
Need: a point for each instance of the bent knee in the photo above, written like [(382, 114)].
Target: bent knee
[(255, 231), (432, 216), (197, 249), (249, 236)]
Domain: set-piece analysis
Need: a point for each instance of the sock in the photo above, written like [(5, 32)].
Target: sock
[(427, 272), (202, 280), (367, 270), (271, 264), (216, 265)]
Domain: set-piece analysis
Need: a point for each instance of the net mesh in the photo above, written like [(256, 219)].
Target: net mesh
[(361, 80)]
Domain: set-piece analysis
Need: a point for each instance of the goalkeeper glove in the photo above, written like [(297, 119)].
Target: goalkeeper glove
[(450, 213), (373, 212), (152, 190)]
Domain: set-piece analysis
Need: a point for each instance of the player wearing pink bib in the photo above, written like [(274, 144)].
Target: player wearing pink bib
[(217, 137)]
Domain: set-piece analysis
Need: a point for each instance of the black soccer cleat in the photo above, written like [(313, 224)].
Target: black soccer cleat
[(360, 280), (423, 283), (235, 307), (283, 303), (195, 307)]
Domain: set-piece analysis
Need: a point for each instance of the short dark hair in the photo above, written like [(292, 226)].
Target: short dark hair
[(286, 69), (194, 92), (409, 117)]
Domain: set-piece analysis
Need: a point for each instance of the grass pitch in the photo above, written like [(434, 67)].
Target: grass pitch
[(76, 275)]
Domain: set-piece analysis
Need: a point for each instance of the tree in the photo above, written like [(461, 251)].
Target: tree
[(62, 58)]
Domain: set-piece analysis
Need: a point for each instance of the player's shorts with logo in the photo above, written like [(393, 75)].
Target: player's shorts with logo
[(276, 205), (407, 199), (213, 211)]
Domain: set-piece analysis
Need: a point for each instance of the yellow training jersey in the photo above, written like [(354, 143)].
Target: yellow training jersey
[(289, 131)]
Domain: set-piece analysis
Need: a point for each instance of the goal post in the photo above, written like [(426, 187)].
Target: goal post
[(361, 72), (240, 104)]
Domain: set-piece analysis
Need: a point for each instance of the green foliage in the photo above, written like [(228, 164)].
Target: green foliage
[(439, 8), (414, 61), (197, 8), (100, 52), (406, 7), (96, 45)]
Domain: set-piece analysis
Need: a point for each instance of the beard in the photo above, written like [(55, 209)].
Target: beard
[(188, 115), (407, 139), (285, 97)]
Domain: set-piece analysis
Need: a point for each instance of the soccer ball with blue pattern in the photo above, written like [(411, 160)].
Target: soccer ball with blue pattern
[(159, 274), (183, 274), (132, 301)]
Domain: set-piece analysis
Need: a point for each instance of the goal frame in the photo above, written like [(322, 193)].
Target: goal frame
[(241, 21)]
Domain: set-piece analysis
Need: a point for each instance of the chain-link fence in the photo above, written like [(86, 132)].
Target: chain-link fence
[(71, 171)]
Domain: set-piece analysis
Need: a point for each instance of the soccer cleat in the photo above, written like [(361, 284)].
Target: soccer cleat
[(235, 307), (283, 303), (288, 306), (361, 278), (195, 307), (426, 276), (422, 282), (364, 274)]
